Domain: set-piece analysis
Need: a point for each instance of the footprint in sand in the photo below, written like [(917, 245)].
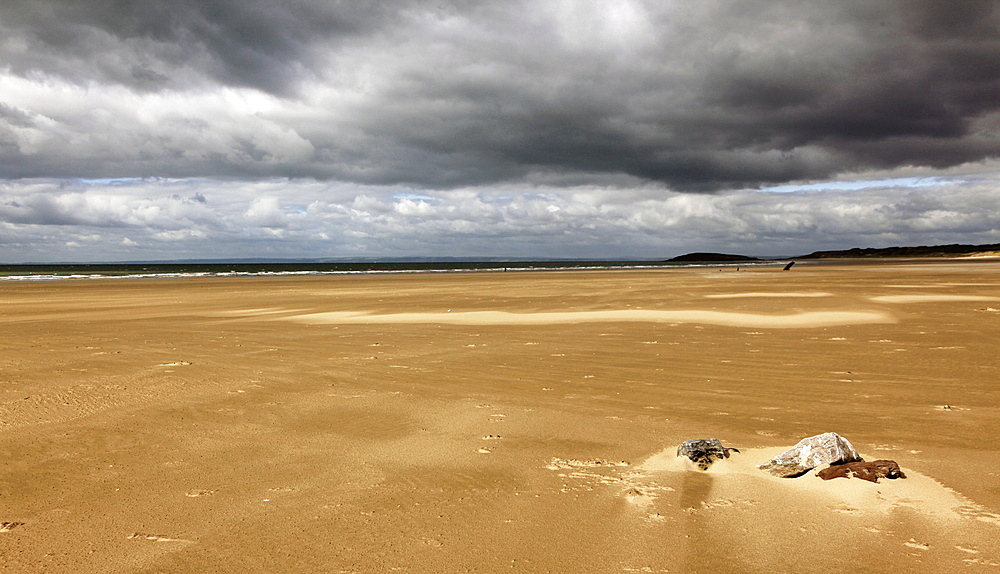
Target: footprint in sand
[(8, 526)]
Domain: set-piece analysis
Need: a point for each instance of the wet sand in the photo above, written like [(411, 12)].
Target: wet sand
[(486, 422)]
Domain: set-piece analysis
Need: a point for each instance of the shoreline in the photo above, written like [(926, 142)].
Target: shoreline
[(223, 271), (100, 271)]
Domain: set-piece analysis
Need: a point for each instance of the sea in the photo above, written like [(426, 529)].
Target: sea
[(79, 271)]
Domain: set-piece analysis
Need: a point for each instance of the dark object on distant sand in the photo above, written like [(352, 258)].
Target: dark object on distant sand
[(704, 452), (789, 266), (710, 257), (870, 471), (826, 448)]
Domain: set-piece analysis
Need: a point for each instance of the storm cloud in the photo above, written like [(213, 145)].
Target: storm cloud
[(675, 96)]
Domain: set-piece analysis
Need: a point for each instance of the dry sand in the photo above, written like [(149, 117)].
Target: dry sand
[(491, 422)]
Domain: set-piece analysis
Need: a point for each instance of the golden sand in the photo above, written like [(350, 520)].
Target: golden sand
[(491, 422)]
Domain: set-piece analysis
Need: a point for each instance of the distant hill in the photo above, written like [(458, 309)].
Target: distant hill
[(710, 257), (954, 250)]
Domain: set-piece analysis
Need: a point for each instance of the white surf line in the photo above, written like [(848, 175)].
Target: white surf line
[(731, 319)]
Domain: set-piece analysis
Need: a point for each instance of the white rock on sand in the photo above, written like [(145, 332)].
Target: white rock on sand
[(826, 448)]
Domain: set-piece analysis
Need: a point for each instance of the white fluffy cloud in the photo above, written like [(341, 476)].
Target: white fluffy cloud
[(169, 219)]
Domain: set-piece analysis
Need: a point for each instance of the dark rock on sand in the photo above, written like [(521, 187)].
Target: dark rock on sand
[(826, 448), (870, 471), (704, 452)]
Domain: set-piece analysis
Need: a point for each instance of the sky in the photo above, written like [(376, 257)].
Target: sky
[(171, 129)]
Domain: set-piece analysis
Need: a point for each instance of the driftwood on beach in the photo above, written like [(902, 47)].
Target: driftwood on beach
[(870, 471)]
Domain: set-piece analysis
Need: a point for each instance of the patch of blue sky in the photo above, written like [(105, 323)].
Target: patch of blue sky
[(414, 197), (859, 184), (541, 196), (490, 196), (112, 180)]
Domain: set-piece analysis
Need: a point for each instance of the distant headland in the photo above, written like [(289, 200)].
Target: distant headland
[(954, 250), (710, 257)]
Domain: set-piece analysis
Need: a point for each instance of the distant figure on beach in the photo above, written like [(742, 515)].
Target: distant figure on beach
[(789, 266)]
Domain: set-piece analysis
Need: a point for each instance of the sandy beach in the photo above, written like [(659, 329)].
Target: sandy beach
[(495, 422)]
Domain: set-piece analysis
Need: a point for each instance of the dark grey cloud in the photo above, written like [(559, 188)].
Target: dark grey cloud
[(150, 44), (700, 96)]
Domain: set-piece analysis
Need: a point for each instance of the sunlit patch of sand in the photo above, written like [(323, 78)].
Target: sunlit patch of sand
[(730, 319), (738, 477), (764, 294), (155, 537), (256, 312), (935, 298)]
